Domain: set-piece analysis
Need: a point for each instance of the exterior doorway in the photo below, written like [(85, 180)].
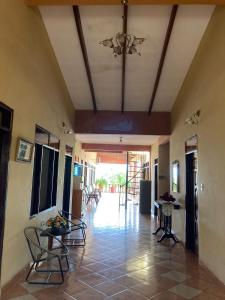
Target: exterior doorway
[(156, 194), (67, 183), (6, 117), (191, 201)]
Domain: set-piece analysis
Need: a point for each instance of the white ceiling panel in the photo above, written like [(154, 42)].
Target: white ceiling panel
[(149, 22), (100, 23), (61, 28), (103, 22), (189, 27)]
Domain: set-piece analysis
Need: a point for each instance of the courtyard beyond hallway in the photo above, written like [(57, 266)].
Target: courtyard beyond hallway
[(123, 260)]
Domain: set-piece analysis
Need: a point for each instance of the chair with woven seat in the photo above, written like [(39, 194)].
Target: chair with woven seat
[(75, 224), (91, 195), (41, 254)]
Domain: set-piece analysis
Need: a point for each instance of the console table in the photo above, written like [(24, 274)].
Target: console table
[(165, 221)]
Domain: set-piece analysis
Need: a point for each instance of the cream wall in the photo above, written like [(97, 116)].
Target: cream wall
[(31, 84), (204, 89), (89, 157)]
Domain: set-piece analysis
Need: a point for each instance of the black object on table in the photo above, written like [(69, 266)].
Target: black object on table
[(165, 224)]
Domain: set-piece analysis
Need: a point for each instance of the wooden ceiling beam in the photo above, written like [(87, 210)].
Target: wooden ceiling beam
[(118, 2), (163, 55), (125, 14), (114, 147), (113, 122), (85, 55)]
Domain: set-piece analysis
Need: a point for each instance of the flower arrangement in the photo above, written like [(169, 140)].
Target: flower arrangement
[(56, 222), (167, 197)]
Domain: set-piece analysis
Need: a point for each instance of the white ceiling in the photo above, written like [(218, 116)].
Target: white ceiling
[(101, 22), (115, 139)]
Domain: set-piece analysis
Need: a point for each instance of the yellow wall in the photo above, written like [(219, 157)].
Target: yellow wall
[(204, 88), (89, 157), (31, 84)]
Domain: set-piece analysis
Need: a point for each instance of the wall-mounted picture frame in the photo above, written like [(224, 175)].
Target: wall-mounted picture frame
[(24, 150), (176, 176)]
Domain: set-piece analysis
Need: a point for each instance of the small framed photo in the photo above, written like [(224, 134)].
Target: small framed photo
[(24, 151)]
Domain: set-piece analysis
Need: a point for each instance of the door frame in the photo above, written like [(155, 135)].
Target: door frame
[(6, 133), (191, 153), (156, 184), (64, 202)]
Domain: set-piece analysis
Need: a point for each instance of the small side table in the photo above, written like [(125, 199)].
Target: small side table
[(158, 205), (165, 220), (62, 232)]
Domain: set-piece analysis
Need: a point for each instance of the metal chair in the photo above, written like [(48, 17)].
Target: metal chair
[(41, 254), (90, 195), (75, 224)]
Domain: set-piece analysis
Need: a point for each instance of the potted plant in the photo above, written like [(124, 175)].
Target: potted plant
[(56, 223), (167, 204), (101, 183)]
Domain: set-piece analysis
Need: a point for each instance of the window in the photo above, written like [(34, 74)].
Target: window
[(45, 173)]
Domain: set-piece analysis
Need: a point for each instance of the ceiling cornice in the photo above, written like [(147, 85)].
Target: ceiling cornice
[(118, 2)]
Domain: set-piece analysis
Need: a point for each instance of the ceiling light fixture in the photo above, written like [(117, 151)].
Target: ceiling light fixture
[(194, 119), (66, 129), (119, 41)]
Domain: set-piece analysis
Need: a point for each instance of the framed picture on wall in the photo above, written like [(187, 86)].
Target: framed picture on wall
[(175, 176), (24, 150)]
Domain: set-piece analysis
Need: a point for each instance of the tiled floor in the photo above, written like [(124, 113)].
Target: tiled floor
[(123, 261)]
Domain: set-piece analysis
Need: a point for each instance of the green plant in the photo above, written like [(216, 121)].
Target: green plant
[(101, 182)]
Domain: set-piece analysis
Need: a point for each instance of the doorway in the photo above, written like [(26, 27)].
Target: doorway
[(6, 116), (156, 171), (67, 183), (191, 201)]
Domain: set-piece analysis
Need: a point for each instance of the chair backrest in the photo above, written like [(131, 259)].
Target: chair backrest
[(32, 235), (72, 220)]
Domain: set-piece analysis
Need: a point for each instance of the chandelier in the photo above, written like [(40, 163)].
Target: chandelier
[(123, 42)]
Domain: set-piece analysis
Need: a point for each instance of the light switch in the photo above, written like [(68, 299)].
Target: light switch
[(202, 187)]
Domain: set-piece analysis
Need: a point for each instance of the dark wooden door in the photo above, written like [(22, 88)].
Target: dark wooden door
[(156, 196), (67, 183), (192, 202), (6, 115)]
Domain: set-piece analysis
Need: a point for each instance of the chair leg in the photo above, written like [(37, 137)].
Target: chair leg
[(60, 270), (28, 274)]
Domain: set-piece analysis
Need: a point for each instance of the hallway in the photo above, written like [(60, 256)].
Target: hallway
[(122, 260)]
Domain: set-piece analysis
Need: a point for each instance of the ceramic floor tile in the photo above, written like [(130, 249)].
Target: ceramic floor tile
[(110, 288), (93, 279), (127, 281), (24, 297), (128, 295), (32, 288), (90, 294), (176, 276), (167, 295), (185, 291), (147, 289), (122, 260), (97, 267)]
